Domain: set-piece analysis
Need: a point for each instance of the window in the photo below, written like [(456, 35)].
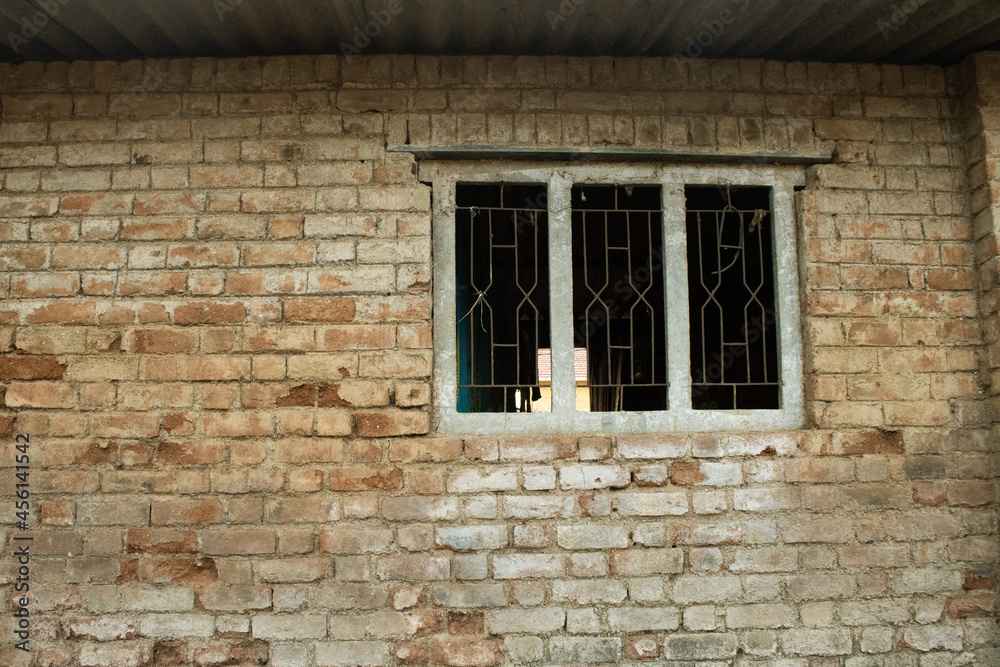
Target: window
[(587, 298)]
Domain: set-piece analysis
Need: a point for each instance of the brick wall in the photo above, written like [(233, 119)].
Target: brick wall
[(981, 109), (216, 330)]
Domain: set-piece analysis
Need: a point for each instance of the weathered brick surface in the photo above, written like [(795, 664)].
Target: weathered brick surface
[(215, 323)]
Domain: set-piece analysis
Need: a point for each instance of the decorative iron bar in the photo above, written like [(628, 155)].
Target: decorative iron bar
[(734, 349), (502, 294), (618, 295)]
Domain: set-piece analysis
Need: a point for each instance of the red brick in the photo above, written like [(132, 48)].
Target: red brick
[(203, 254), (63, 313), (33, 285), (642, 647), (353, 393), (424, 450), (302, 510), (27, 367), (161, 541), (686, 473), (244, 480), (161, 202), (362, 478), (39, 395), (95, 203), (232, 424), (191, 453), (303, 395), (18, 259), (160, 341), (319, 309), (929, 493), (226, 176), (819, 470), (873, 333), (210, 312), (183, 512), (309, 450), (178, 571), (390, 422), (125, 425), (152, 282), (870, 442), (150, 229), (971, 494), (283, 200), (466, 623), (240, 653), (467, 652), (57, 513), (333, 423), (211, 368), (237, 542), (360, 337), (264, 254), (972, 605), (951, 279), (86, 257)]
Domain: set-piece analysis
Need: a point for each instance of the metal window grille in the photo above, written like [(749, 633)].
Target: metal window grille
[(501, 244), (618, 295), (731, 282)]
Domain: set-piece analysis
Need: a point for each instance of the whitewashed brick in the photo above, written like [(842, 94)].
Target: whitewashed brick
[(807, 641), (639, 619), (353, 654), (288, 626), (539, 478), (594, 477), (592, 537), (471, 538), (538, 507), (651, 504), (525, 566), (534, 621), (477, 481), (707, 589)]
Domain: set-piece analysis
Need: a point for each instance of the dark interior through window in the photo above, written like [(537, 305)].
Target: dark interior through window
[(501, 259), (731, 288), (618, 295)]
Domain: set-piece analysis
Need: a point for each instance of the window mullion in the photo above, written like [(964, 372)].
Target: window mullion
[(445, 318), (678, 317), (787, 299), (561, 295)]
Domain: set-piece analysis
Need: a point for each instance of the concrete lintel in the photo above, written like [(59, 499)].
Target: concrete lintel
[(609, 154)]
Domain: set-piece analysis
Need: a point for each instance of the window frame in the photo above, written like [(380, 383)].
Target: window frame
[(559, 178)]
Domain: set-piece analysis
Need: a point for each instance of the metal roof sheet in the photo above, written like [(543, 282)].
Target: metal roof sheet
[(899, 31)]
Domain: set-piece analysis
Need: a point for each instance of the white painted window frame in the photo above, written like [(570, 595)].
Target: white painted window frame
[(559, 178)]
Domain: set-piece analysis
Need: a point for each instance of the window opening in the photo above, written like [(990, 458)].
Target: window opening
[(502, 292), (618, 295), (579, 375), (731, 282)]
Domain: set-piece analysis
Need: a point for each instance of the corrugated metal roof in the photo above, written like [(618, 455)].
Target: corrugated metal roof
[(900, 31)]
